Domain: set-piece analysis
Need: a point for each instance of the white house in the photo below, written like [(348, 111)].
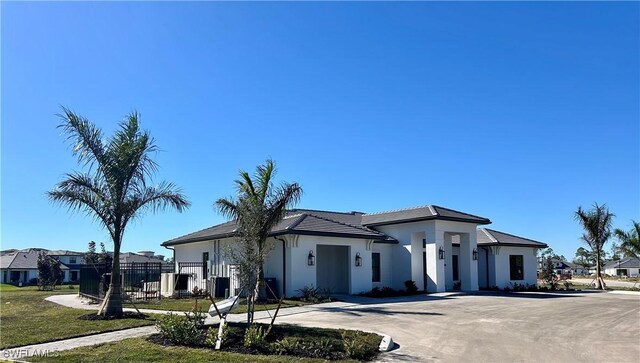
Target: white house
[(628, 266), (439, 249)]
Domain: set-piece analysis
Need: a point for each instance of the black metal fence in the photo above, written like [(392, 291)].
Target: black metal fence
[(139, 280)]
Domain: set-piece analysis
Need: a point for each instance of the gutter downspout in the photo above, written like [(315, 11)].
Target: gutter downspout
[(284, 266), (173, 254)]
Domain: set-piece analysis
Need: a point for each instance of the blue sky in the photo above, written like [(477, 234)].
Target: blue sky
[(519, 112)]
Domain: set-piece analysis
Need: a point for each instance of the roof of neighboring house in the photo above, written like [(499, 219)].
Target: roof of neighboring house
[(64, 253), (488, 237), (23, 260), (128, 257), (423, 213), (627, 262), (298, 221)]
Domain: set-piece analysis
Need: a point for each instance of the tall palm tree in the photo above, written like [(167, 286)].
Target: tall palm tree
[(630, 241), (116, 187), (258, 207), (597, 231)]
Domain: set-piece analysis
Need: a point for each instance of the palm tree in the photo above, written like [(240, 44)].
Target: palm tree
[(115, 189), (258, 207), (630, 241), (597, 231)]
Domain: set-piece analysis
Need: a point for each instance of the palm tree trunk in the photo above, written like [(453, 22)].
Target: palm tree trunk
[(112, 303), (600, 285)]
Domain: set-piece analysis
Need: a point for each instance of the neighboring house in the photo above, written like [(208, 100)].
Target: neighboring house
[(629, 266), (21, 267), (438, 248)]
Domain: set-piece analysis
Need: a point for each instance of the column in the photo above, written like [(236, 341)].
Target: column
[(435, 266), (468, 266), (417, 266)]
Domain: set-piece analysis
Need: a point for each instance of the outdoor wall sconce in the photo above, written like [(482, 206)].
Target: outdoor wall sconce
[(358, 259), (311, 259), (441, 253), (475, 254)]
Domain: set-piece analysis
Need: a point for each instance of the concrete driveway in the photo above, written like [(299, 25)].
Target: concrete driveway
[(523, 327)]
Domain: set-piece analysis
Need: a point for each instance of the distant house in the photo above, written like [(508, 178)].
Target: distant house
[(629, 266), (559, 266), (21, 266)]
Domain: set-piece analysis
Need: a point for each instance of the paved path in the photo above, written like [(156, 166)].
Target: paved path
[(66, 344)]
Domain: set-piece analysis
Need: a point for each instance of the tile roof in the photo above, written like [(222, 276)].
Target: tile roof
[(23, 260), (422, 213), (488, 236), (624, 263), (297, 221)]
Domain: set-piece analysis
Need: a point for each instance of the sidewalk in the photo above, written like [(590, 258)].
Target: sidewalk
[(49, 349)]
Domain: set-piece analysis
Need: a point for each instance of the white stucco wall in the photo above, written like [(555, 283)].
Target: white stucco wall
[(300, 274), (613, 271), (502, 268), (387, 268)]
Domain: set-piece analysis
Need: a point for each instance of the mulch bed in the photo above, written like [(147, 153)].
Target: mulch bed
[(125, 315)]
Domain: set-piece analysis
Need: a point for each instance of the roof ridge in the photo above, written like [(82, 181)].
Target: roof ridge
[(513, 235), (491, 237), (349, 225), (457, 211), (399, 210), (322, 210), (301, 218)]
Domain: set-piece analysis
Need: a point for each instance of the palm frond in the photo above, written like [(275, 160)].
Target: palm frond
[(85, 136)]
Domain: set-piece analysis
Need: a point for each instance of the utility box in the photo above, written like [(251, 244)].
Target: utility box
[(220, 284)]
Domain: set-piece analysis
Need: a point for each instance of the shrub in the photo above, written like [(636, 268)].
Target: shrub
[(314, 294), (355, 348), (321, 348), (286, 345), (254, 337), (181, 330), (410, 287)]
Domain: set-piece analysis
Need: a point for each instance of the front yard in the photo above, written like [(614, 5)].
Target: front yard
[(141, 350), (26, 318)]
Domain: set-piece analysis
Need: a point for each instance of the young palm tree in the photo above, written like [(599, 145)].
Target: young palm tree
[(597, 231), (258, 207), (115, 189), (630, 241)]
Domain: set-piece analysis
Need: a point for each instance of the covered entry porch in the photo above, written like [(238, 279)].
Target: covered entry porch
[(444, 258)]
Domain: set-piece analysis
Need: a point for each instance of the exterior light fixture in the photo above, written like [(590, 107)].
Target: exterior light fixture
[(358, 259), (441, 253), (475, 254), (311, 259)]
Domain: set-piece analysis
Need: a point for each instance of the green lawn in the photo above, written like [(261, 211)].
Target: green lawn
[(25, 318), (140, 350), (188, 304)]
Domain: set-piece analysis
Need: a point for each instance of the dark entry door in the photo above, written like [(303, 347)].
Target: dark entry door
[(454, 266)]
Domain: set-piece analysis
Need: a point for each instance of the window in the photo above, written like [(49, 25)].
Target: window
[(205, 260), (516, 265), (74, 276), (72, 260), (375, 266), (455, 267), (621, 272)]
